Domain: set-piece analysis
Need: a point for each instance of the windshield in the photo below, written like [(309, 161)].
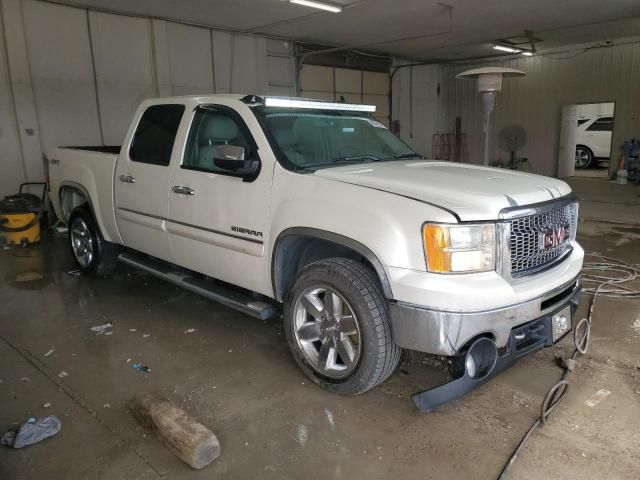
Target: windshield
[(311, 139)]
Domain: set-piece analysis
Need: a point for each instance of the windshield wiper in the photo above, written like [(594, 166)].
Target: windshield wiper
[(340, 160), (407, 155)]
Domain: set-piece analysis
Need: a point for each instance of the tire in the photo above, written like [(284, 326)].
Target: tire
[(360, 326), (584, 156), (93, 255)]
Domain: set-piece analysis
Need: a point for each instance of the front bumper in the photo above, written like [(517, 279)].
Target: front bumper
[(522, 341), (445, 333)]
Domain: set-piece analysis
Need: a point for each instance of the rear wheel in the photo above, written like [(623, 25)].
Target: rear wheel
[(584, 156), (93, 255), (338, 328)]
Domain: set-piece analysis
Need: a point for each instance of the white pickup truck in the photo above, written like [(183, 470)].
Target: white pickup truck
[(370, 248)]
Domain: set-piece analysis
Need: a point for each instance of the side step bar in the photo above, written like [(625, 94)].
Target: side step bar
[(218, 293)]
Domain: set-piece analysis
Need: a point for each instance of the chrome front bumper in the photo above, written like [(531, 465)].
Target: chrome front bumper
[(445, 333)]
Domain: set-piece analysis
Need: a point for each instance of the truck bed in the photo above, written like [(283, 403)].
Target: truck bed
[(88, 168)]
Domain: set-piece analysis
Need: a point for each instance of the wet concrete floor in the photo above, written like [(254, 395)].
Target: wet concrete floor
[(235, 375)]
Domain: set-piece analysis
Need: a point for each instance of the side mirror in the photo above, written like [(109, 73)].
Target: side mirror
[(232, 158)]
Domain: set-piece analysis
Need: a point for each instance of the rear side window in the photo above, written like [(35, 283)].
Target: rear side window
[(603, 124), (155, 135)]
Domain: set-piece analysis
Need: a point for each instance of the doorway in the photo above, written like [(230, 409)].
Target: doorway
[(588, 126)]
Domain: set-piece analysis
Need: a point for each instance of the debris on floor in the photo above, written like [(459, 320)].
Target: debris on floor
[(104, 329), (63, 374), (74, 273), (597, 397), (189, 440), (190, 330), (25, 379), (46, 405), (49, 352), (141, 368), (32, 431), (146, 335)]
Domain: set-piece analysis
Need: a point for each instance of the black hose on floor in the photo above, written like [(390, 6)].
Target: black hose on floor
[(610, 272)]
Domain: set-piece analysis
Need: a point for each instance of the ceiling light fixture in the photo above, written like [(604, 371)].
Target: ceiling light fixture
[(321, 5), (527, 53), (504, 48)]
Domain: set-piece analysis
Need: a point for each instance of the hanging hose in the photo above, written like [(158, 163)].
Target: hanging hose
[(602, 278)]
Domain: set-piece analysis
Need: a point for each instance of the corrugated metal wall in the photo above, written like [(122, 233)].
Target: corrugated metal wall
[(355, 86), (533, 102), (74, 76)]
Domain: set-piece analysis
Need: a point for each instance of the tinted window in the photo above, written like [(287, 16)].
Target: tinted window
[(156, 132), (604, 124), (583, 120), (212, 128)]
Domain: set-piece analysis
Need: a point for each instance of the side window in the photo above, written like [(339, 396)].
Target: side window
[(582, 120), (603, 124), (210, 129), (155, 135)]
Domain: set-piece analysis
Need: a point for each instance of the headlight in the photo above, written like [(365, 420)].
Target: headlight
[(460, 248)]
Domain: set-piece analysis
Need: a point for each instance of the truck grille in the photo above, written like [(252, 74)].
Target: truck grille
[(540, 240)]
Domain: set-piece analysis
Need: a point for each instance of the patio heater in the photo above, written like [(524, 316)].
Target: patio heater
[(489, 83)]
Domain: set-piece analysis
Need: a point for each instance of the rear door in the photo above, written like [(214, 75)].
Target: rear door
[(598, 136), (219, 222), (142, 180)]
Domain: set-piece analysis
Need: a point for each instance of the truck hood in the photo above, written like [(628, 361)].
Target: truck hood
[(471, 192)]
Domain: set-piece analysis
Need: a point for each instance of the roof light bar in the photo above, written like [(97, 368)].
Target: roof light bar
[(320, 5), (293, 103)]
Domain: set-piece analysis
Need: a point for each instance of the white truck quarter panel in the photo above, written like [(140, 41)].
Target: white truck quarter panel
[(93, 173)]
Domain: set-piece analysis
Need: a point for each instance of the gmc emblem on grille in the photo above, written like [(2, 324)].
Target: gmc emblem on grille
[(553, 237)]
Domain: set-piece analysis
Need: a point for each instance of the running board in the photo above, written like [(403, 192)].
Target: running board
[(218, 293)]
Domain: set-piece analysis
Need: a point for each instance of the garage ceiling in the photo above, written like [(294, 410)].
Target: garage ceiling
[(419, 29)]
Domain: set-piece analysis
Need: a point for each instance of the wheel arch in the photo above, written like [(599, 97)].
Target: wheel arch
[(72, 195), (297, 247)]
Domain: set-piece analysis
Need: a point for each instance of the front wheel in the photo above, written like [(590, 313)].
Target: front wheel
[(93, 255), (338, 328)]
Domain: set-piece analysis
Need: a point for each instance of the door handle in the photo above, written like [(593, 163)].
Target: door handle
[(182, 190), (127, 179)]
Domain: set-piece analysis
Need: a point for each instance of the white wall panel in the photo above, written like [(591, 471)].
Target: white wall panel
[(22, 90), (190, 59), (249, 66), (61, 74), (76, 76), (124, 69), (11, 165)]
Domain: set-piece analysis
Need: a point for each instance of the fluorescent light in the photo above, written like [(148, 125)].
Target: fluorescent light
[(527, 53), (504, 48), (321, 5), (311, 104)]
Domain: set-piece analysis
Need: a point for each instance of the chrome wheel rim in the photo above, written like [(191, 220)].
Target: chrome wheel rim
[(327, 332), (81, 242), (582, 158)]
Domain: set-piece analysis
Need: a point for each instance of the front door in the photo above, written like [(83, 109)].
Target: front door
[(218, 222), (142, 181)]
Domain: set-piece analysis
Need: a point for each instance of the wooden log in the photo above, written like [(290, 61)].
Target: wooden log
[(191, 441)]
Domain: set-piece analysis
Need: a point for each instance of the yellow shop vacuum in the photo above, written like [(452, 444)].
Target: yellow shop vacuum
[(20, 215)]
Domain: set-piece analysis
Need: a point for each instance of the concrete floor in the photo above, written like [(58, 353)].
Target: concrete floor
[(236, 376)]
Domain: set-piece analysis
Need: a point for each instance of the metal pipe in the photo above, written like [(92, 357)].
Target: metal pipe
[(488, 103)]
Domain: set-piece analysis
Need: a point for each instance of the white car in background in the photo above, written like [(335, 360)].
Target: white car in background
[(593, 140)]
